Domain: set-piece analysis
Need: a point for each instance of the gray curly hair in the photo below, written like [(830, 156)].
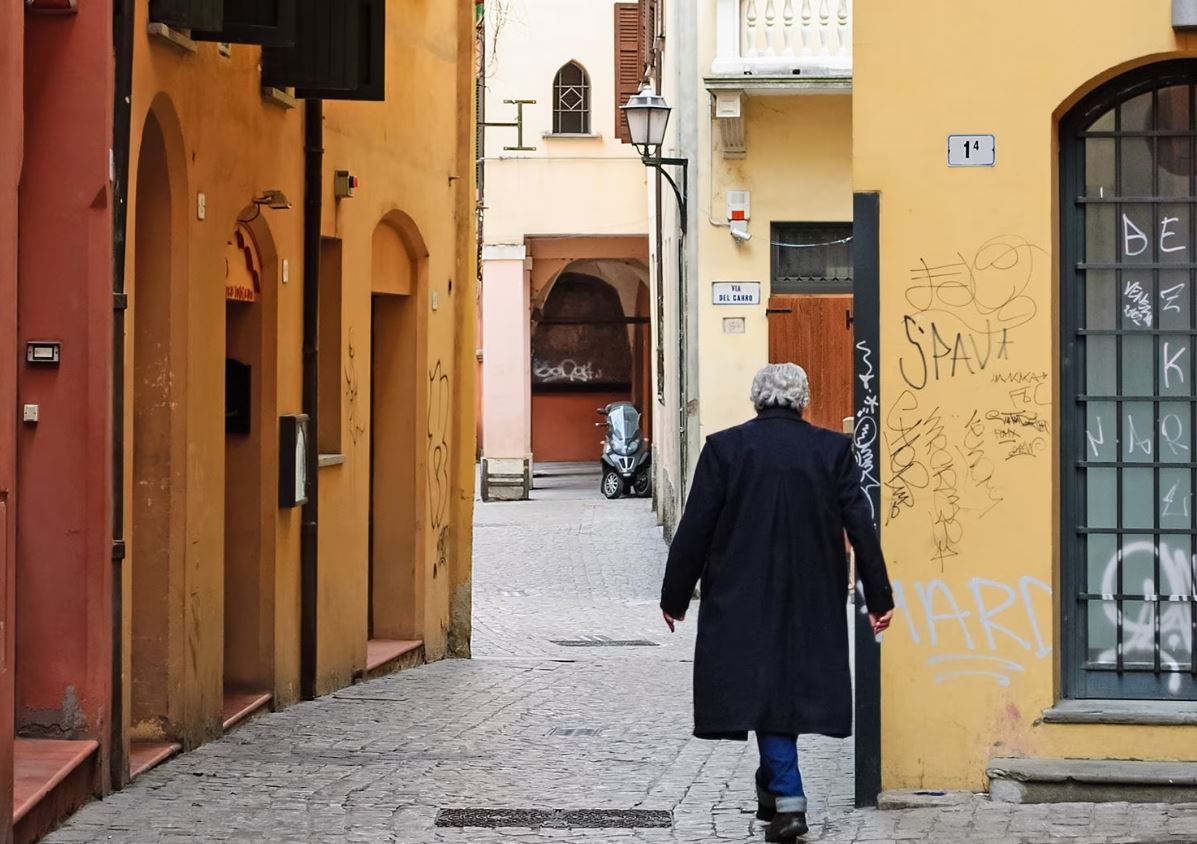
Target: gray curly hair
[(782, 385)]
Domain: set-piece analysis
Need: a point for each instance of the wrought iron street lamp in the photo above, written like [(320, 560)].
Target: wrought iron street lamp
[(648, 116)]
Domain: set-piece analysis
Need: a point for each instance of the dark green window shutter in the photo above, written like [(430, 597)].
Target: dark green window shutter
[(266, 22), (322, 57), (370, 53), (339, 51), (188, 14)]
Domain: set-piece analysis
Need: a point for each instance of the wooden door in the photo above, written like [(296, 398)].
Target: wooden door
[(815, 332)]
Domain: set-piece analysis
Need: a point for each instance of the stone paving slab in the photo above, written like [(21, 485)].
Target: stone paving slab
[(511, 729)]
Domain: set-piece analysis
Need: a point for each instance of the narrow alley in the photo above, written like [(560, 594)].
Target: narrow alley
[(577, 698)]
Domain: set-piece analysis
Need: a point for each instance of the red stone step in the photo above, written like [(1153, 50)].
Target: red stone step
[(240, 705), (39, 765), (144, 755), (381, 651)]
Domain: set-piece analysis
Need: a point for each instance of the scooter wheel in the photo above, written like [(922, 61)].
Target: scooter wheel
[(612, 484), (643, 483)]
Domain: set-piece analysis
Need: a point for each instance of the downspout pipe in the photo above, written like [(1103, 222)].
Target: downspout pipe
[(122, 39), (313, 157)]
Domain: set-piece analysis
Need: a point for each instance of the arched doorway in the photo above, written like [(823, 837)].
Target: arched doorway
[(583, 357), (249, 437), (398, 402), (1128, 405), (156, 514)]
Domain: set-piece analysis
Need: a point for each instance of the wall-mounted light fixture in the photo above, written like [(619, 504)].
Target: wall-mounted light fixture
[(648, 115), (275, 200)]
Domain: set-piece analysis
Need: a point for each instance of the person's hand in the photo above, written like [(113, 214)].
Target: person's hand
[(671, 620), (880, 621)]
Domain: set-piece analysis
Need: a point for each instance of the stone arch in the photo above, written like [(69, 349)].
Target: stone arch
[(580, 340), (587, 349)]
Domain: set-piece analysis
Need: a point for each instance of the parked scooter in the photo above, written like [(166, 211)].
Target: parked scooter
[(626, 460)]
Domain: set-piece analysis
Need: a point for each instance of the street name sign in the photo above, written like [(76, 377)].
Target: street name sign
[(736, 293)]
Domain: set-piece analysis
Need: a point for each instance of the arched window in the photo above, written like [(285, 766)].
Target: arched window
[(1128, 403), (571, 101)]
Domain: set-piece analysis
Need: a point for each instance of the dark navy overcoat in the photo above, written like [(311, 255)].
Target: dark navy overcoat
[(764, 529)]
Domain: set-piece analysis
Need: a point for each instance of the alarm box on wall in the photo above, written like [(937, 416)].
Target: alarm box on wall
[(293, 445)]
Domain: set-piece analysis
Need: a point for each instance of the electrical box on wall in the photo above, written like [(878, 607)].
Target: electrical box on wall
[(43, 352), (344, 184), (293, 444), (739, 210), (739, 205)]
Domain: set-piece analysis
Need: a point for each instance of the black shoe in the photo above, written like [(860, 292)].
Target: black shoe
[(786, 826)]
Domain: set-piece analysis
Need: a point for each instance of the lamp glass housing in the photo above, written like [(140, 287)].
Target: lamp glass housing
[(648, 116)]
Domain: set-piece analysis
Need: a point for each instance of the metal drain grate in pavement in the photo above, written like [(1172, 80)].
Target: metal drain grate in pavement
[(603, 642), (492, 818), (556, 819)]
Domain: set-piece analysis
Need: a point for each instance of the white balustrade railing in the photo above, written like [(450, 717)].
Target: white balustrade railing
[(783, 38)]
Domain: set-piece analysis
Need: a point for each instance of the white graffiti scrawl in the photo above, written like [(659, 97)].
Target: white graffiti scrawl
[(864, 435), (568, 371)]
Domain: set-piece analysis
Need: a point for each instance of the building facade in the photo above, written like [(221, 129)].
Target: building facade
[(986, 264), (1034, 250), (229, 206), (565, 297), (762, 113), (60, 524), (12, 67)]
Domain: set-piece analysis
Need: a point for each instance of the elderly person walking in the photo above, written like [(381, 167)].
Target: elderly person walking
[(764, 529)]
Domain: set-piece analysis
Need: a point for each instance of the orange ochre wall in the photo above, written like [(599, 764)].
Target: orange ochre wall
[(227, 141)]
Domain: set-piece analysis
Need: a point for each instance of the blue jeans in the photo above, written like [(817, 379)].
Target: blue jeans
[(778, 774)]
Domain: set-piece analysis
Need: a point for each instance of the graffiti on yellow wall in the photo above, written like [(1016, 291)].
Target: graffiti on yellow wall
[(946, 463), (356, 423), (991, 628), (439, 491)]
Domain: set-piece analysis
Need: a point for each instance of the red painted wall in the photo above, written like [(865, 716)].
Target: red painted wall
[(63, 574), (563, 425), (12, 17)]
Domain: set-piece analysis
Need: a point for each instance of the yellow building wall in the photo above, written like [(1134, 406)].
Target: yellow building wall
[(583, 184), (798, 169), (414, 157), (412, 174), (224, 142), (969, 521)]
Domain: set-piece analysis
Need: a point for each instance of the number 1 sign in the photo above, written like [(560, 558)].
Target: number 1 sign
[(971, 151)]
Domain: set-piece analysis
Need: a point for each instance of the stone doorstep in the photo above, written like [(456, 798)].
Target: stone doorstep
[(1091, 781), (922, 799)]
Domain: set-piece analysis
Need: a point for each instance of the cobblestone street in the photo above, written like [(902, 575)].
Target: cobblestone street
[(602, 723)]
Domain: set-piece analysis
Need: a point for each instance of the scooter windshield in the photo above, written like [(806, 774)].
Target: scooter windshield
[(625, 422)]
